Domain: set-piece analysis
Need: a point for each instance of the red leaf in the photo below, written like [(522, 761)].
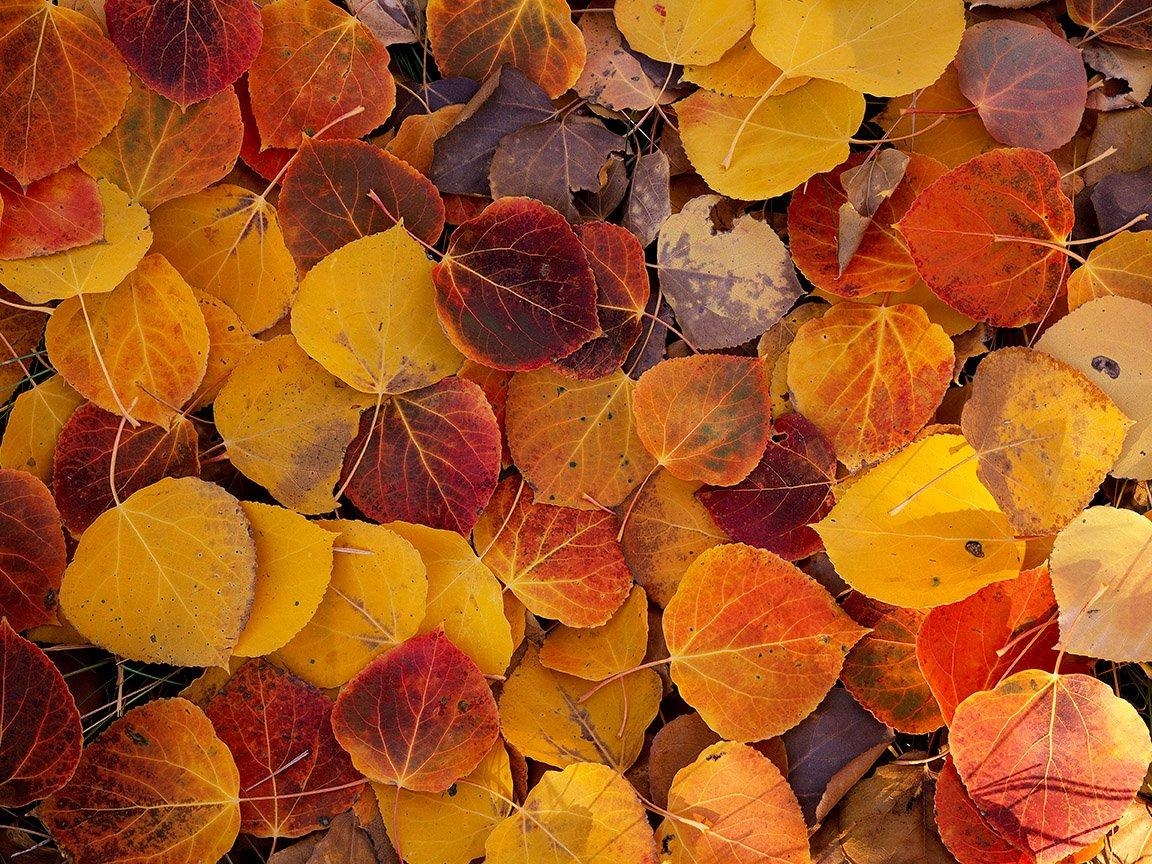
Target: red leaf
[(186, 50), (57, 212), (420, 717), (32, 554), (291, 767), (433, 457), (40, 738), (964, 830)]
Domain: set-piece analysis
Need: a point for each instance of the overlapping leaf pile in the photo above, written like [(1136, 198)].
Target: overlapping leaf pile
[(705, 431)]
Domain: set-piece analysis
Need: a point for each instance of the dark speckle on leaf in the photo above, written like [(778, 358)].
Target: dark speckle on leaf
[(1106, 366)]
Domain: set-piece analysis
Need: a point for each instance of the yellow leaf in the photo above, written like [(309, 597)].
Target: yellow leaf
[(167, 576), (596, 653), (919, 529), (464, 596), (34, 424), (449, 827), (752, 148), (286, 423), (293, 569), (148, 339), (542, 716), (683, 31), (93, 269), (367, 314), (1045, 436), (374, 602), (226, 241), (575, 441), (874, 46), (1121, 265), (1107, 341), (228, 343), (585, 814), (742, 71)]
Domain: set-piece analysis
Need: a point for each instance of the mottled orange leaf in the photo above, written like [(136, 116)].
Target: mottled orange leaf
[(755, 643), (963, 829), (420, 717), (560, 562), (32, 553), (57, 212), (705, 417), (596, 653)]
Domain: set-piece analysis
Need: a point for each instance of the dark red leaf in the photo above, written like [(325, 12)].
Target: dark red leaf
[(32, 553)]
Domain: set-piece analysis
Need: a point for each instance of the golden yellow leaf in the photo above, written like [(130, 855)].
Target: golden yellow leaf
[(575, 441), (585, 814), (742, 71), (148, 340), (751, 148), (542, 715), (874, 46), (464, 596), (683, 31), (1121, 265), (596, 653), (367, 314), (167, 576), (919, 529), (34, 424), (226, 241), (449, 827), (228, 343), (293, 569), (1045, 437), (286, 423), (93, 269), (374, 602), (418, 134)]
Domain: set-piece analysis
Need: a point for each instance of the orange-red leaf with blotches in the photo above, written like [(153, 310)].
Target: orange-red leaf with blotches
[(419, 717), (706, 417), (515, 290), (431, 457), (882, 671), (981, 236), (560, 562), (1051, 761), (32, 553), (57, 212), (882, 261), (186, 50), (328, 192), (294, 774), (64, 87), (145, 454), (755, 643), (964, 830), (40, 738), (316, 64)]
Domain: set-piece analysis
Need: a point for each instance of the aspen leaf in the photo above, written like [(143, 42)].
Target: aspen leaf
[(1045, 437), (429, 692), (229, 341), (34, 424), (596, 653), (20, 334), (166, 576), (919, 529), (705, 417), (32, 551), (40, 738), (963, 829), (683, 31), (53, 214), (586, 814), (560, 562), (750, 148), (464, 597), (374, 601), (1124, 22), (287, 423), (1080, 752), (869, 377), (475, 38), (742, 625), (542, 715), (613, 75), (868, 45), (741, 71), (227, 242), (1121, 265), (294, 774), (733, 806), (378, 340), (96, 268), (575, 441), (294, 562), (1103, 341), (144, 343), (157, 785)]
